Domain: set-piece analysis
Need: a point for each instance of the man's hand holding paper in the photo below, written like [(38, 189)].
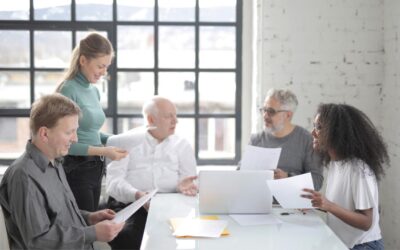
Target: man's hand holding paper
[(125, 213)]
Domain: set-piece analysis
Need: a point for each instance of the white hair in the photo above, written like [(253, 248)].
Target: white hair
[(286, 98), (150, 107)]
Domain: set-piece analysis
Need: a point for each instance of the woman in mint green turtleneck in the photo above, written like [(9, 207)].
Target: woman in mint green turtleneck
[(84, 164)]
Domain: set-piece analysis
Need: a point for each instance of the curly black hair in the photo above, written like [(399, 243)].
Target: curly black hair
[(351, 135)]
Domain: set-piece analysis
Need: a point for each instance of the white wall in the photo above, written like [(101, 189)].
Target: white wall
[(336, 51), (390, 198), (325, 51)]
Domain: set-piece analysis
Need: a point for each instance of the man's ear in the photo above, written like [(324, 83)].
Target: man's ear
[(150, 119), (289, 115), (43, 134)]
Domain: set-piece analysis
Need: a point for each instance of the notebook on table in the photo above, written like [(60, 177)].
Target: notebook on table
[(235, 192)]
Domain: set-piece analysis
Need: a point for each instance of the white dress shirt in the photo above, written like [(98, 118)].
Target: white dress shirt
[(149, 165)]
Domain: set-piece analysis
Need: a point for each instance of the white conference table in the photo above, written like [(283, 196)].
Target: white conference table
[(298, 231)]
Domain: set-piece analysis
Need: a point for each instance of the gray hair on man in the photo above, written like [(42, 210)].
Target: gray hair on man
[(150, 107), (286, 98)]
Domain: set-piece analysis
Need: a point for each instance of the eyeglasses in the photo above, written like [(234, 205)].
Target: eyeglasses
[(271, 111), (317, 126)]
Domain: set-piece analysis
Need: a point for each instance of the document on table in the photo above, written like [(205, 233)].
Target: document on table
[(200, 228), (259, 158), (255, 219), (287, 191), (125, 213), (177, 222)]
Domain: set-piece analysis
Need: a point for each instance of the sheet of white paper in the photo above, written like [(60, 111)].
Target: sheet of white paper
[(201, 228), (129, 139), (3, 170), (287, 191), (255, 219), (125, 213), (259, 158)]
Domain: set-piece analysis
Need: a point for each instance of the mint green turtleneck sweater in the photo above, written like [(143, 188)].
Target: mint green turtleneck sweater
[(87, 96)]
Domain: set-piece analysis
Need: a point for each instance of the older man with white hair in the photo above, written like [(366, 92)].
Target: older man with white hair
[(157, 159)]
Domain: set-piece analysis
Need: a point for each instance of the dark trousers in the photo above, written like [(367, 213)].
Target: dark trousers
[(84, 176), (131, 235), (371, 245)]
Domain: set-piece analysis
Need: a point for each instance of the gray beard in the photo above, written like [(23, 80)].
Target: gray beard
[(274, 129)]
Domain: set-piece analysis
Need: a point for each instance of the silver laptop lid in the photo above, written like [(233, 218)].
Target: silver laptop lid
[(235, 192)]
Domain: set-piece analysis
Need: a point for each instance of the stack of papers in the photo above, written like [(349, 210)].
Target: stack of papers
[(205, 226)]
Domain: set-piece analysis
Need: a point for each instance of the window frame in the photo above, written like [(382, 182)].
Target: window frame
[(110, 27)]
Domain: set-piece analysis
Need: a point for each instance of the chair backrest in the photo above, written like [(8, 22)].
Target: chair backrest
[(4, 243)]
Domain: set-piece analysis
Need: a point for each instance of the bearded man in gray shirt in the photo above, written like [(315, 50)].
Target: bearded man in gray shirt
[(39, 208), (297, 155)]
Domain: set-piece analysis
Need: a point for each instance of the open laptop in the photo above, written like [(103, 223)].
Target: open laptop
[(235, 192)]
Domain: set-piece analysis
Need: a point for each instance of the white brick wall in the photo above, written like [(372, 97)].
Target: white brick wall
[(337, 51), (390, 187), (326, 51)]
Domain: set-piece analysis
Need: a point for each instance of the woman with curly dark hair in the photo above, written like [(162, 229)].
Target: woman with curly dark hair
[(355, 154)]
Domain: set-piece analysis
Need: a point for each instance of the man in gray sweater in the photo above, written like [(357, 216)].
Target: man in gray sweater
[(297, 155)]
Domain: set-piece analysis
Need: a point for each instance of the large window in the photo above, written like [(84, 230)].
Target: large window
[(186, 50)]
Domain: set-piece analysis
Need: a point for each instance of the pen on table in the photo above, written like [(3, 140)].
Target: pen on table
[(303, 211)]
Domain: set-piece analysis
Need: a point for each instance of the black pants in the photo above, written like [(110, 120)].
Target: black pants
[(84, 175), (131, 235)]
